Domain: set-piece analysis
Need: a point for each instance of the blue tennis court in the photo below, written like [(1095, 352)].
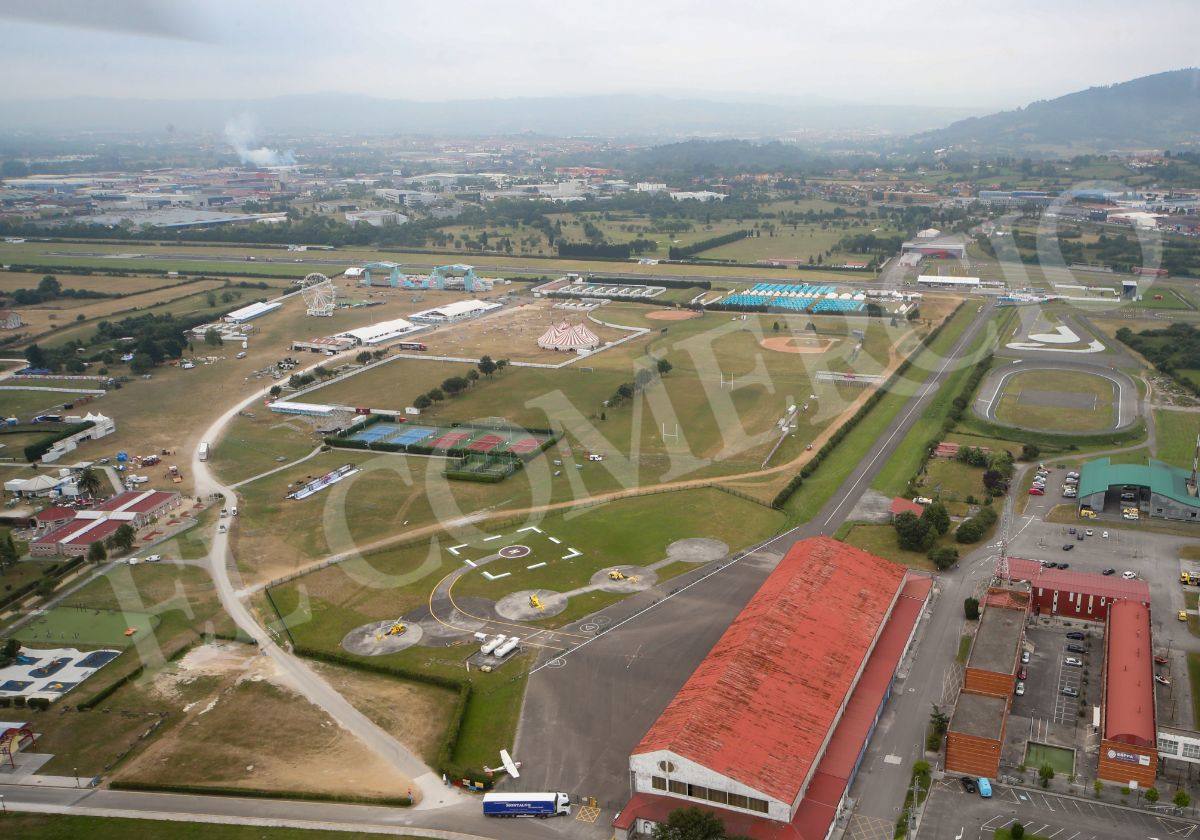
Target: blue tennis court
[(372, 434), (412, 434)]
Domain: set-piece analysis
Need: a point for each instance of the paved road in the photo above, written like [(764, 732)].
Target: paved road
[(607, 692)]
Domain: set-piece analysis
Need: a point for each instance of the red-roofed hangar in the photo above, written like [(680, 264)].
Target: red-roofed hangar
[(770, 728), (1128, 746)]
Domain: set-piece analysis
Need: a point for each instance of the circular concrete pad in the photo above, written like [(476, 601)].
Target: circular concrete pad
[(645, 579), (372, 639), (515, 606), (697, 550)]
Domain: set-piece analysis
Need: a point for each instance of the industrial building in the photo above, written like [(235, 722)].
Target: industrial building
[(943, 247), (454, 311), (137, 508), (1075, 595), (769, 730), (254, 310), (1128, 724), (1157, 490), (976, 733), (329, 345)]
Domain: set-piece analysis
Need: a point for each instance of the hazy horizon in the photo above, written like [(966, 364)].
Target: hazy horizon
[(933, 53)]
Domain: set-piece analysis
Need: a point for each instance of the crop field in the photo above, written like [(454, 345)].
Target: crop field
[(804, 241), (60, 313), (1057, 401), (12, 280)]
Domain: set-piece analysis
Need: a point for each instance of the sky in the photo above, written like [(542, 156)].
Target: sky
[(934, 52)]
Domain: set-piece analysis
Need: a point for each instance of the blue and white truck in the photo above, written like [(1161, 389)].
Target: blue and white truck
[(526, 805)]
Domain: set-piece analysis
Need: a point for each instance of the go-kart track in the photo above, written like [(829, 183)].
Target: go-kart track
[(1126, 406)]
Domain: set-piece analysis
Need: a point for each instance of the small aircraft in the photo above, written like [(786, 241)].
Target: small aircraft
[(512, 768)]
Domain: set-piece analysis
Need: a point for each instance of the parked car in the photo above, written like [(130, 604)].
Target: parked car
[(1109, 572), (1036, 491), (1023, 674), (1076, 649), (1020, 689), (1089, 532), (1128, 575), (1079, 537), (1075, 634), (1068, 546), (1071, 531), (1104, 534), (1073, 662), (1064, 565), (1070, 692), (968, 784), (1160, 660), (1024, 657), (1161, 680), (985, 788), (1183, 615)]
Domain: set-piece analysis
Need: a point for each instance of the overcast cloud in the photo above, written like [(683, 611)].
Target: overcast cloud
[(932, 52)]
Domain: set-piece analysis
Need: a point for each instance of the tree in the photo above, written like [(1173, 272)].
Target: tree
[(89, 481), (422, 402), (913, 533), (971, 609), (363, 357), (1046, 773), (436, 394), (775, 327), (141, 364), (1030, 452), (8, 550), (96, 553), (944, 556), (472, 376), (36, 356), (1097, 786), (455, 385), (1182, 799), (1152, 795), (124, 536), (663, 367), (275, 391), (213, 338), (486, 366), (938, 517), (690, 824), (1016, 831), (49, 287), (501, 364)]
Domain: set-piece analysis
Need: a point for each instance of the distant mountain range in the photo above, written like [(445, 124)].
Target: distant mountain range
[(619, 115), (1153, 112)]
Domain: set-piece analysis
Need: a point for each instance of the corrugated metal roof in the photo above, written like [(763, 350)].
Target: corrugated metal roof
[(759, 707), (1087, 583), (1129, 676), (1098, 475)]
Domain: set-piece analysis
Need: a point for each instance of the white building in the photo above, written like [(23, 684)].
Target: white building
[(407, 198), (936, 281), (454, 311), (254, 310), (698, 195), (649, 187), (379, 333), (101, 427)]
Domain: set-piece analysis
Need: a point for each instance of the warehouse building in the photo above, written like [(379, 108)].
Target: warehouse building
[(1128, 745), (1075, 595), (976, 733), (944, 247), (937, 281), (1157, 490), (770, 729), (379, 333)]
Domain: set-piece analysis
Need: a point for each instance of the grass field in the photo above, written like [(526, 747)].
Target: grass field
[(1064, 417), (880, 540), (13, 280), (70, 827), (1193, 667), (1175, 433), (71, 626), (24, 405), (1061, 759)]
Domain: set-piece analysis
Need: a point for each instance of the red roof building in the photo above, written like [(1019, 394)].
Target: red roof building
[(769, 728), (1128, 746), (1082, 595), (900, 506), (52, 517), (138, 508)]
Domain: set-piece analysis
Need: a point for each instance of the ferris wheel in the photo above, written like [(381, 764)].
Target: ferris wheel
[(320, 295)]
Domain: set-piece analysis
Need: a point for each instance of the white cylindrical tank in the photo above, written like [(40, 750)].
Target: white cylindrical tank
[(492, 644), (507, 648)]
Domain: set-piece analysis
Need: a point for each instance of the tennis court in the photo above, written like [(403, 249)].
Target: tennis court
[(376, 433), (486, 443), (450, 440), (412, 434), (524, 446)]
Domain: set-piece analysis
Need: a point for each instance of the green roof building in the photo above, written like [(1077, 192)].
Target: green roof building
[(1161, 491)]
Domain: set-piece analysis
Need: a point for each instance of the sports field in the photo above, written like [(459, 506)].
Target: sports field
[(88, 626), (1060, 758), (1057, 401)]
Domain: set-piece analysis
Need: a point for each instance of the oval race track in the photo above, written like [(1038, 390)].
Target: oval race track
[(1126, 405)]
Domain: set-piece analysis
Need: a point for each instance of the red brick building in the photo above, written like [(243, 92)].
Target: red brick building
[(1079, 595), (1128, 724)]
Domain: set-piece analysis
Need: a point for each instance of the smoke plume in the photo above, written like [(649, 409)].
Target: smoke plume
[(241, 134)]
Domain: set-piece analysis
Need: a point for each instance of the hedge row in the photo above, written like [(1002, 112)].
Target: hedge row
[(1052, 441), (685, 251), (808, 469), (54, 573), (462, 688), (38, 448), (257, 793)]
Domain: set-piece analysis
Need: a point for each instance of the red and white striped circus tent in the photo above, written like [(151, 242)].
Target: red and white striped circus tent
[(566, 337)]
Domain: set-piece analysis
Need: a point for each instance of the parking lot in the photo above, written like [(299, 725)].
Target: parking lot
[(952, 814), (1048, 674)]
